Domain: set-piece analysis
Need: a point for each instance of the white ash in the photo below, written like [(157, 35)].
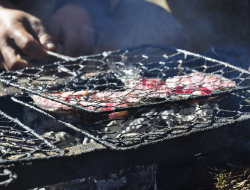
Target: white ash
[(194, 113), (65, 139), (137, 123)]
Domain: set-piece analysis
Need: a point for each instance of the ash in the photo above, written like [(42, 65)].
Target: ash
[(141, 121), (133, 178)]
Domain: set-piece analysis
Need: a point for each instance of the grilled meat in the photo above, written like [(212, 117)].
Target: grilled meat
[(145, 90)]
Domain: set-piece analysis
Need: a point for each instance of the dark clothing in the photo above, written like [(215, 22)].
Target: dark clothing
[(213, 23), (97, 9)]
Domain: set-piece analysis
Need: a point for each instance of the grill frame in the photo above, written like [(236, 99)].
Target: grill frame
[(80, 60), (95, 152)]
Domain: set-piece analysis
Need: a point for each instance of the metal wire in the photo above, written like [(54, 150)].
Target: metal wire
[(129, 98), (7, 174), (159, 109), (125, 70), (19, 142), (66, 124), (147, 126)]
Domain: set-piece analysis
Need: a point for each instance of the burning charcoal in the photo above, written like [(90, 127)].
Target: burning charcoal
[(64, 139), (176, 119), (181, 115)]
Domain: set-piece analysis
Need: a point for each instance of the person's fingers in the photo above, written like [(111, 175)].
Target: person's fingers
[(38, 32), (27, 43), (12, 61)]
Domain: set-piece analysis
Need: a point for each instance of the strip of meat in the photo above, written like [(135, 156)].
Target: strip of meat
[(136, 91)]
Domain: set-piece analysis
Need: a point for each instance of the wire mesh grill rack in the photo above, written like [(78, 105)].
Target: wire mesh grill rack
[(133, 96), (123, 99), (127, 79), (19, 142)]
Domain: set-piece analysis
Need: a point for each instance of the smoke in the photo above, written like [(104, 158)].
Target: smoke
[(236, 56)]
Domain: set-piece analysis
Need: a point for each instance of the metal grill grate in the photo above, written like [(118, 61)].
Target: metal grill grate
[(127, 79), (146, 126), (19, 142), (137, 96), (123, 99)]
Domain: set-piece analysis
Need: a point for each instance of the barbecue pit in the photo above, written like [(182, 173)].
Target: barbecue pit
[(140, 137)]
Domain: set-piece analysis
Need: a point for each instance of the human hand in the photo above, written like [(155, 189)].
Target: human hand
[(20, 30), (72, 25)]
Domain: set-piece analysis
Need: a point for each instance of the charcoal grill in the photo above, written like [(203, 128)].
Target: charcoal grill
[(31, 159)]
